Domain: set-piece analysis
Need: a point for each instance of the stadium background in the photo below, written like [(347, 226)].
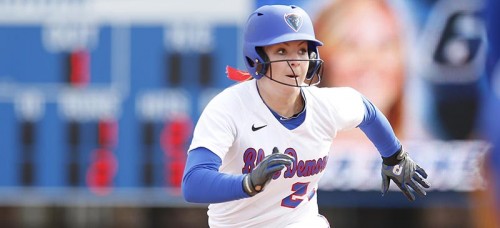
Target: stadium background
[(98, 99)]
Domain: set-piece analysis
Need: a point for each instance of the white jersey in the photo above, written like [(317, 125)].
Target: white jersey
[(238, 127)]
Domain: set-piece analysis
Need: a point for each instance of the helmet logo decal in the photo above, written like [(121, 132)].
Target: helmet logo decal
[(294, 21)]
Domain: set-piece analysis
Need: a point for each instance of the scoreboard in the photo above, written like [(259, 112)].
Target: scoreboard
[(104, 94)]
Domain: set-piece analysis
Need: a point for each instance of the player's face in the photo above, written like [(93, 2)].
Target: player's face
[(292, 64)]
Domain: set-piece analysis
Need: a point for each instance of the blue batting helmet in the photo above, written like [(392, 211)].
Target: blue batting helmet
[(272, 24)]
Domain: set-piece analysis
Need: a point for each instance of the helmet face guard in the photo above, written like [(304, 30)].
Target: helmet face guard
[(273, 24), (313, 76)]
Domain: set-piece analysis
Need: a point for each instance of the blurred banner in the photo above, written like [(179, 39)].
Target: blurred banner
[(451, 166), (420, 63)]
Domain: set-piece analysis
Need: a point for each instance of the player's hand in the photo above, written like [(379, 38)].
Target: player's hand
[(401, 169), (255, 181)]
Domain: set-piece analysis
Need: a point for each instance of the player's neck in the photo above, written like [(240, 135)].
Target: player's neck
[(286, 102)]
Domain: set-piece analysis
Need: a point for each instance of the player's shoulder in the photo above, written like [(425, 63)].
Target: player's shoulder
[(237, 90), (332, 92), (335, 99), (232, 96)]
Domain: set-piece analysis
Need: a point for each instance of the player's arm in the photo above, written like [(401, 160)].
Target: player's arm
[(203, 183), (397, 165), (378, 129)]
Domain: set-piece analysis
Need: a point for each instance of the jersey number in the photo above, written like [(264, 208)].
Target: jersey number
[(299, 191)]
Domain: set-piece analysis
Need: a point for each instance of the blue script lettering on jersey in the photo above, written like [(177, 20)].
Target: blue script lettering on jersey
[(304, 168), (251, 158), (301, 168)]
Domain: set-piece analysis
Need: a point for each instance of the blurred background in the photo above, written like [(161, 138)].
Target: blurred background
[(98, 100)]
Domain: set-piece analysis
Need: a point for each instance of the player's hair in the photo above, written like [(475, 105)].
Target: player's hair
[(273, 24)]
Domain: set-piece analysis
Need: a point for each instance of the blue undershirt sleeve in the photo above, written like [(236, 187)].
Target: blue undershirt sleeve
[(203, 183), (378, 129)]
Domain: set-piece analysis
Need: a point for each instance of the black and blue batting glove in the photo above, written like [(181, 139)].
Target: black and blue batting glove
[(261, 175), (401, 169)]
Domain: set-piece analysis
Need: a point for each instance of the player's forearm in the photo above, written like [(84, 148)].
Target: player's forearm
[(378, 129), (208, 186), (203, 183)]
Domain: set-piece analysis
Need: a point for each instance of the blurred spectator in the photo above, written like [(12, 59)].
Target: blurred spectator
[(364, 48)]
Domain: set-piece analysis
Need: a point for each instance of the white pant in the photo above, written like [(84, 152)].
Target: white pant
[(317, 221)]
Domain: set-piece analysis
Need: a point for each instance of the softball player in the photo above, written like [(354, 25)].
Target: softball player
[(260, 147)]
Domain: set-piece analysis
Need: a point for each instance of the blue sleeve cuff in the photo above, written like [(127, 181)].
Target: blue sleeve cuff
[(378, 129), (203, 183)]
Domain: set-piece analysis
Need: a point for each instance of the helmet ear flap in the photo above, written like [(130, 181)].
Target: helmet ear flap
[(261, 67), (314, 65)]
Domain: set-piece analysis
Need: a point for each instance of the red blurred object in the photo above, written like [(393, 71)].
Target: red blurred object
[(107, 133), (174, 139), (102, 171), (79, 68), (176, 169), (237, 75)]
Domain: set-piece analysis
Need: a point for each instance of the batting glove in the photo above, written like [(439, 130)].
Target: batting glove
[(401, 169), (261, 175)]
